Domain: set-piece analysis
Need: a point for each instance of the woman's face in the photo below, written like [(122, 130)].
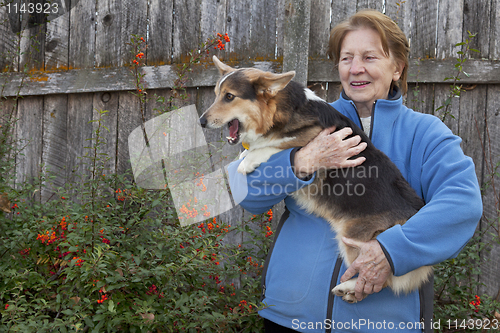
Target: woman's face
[(365, 71)]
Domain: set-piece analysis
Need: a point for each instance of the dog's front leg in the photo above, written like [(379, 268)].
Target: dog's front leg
[(256, 157), (346, 291)]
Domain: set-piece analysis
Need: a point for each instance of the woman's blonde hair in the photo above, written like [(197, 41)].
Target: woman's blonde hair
[(393, 39)]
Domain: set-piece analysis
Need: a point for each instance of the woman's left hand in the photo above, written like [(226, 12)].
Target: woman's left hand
[(371, 264)]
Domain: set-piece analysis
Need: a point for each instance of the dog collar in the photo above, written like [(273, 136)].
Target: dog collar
[(245, 145)]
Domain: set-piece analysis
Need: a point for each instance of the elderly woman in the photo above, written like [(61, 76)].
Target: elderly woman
[(303, 266)]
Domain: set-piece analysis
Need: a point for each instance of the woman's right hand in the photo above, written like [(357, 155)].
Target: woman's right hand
[(329, 150)]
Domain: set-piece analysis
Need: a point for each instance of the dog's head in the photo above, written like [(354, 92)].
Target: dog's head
[(244, 101)]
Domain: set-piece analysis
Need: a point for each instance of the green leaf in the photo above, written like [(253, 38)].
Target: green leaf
[(111, 306), (88, 322)]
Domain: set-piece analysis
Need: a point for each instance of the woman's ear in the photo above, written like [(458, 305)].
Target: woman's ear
[(398, 71)]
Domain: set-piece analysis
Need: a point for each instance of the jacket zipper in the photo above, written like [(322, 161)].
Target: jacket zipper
[(373, 119), (359, 118)]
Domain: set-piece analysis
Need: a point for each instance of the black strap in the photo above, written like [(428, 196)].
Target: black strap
[(285, 215), (331, 296), (426, 293)]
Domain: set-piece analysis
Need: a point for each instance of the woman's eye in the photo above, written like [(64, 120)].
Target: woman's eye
[(229, 96)]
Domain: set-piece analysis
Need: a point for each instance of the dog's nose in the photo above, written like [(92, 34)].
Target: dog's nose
[(203, 122)]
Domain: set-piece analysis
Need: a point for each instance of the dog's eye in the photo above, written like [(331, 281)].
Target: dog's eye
[(229, 96)]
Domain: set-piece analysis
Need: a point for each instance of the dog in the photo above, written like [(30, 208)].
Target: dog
[(268, 113)]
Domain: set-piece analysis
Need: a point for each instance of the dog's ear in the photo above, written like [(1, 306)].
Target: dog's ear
[(222, 67), (270, 84)]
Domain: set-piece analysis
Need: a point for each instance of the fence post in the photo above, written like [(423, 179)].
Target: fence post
[(296, 38)]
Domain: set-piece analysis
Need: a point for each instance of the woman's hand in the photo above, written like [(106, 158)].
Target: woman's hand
[(371, 264), (329, 150)]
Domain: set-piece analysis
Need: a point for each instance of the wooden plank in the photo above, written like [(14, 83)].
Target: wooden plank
[(495, 30), (280, 20), (296, 38), (32, 43), (342, 11), (108, 53), (451, 115), (29, 134), (54, 143), (423, 29), (134, 21), (400, 12), (82, 41), (159, 51), (106, 102), (9, 24), (449, 33), (81, 53), (158, 77), (263, 37), (108, 34), (213, 21), (420, 98), (129, 117), (239, 28), (117, 21), (471, 124), (213, 17), (79, 133), (490, 223), (156, 103), (57, 39), (333, 91), (477, 20), (372, 4), (319, 33), (8, 112), (187, 18)]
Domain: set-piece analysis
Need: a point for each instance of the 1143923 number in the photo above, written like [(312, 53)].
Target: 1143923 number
[(30, 8), (485, 324)]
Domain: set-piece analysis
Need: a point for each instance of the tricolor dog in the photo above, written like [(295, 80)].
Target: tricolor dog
[(268, 113)]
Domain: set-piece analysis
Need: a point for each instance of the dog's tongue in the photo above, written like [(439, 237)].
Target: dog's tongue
[(234, 126)]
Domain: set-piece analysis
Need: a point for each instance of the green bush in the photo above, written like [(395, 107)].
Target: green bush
[(457, 305), (107, 256)]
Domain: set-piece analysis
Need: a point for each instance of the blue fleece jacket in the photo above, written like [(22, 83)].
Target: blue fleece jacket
[(302, 265)]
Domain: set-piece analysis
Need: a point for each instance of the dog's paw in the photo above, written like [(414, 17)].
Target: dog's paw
[(247, 166), (346, 291)]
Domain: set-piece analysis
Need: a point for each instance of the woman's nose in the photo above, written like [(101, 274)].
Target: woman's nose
[(357, 66)]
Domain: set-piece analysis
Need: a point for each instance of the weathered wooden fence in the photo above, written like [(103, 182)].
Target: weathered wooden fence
[(78, 64)]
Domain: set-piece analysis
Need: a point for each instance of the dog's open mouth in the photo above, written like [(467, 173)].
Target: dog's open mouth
[(234, 132)]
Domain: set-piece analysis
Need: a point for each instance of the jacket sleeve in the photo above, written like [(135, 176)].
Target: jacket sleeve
[(267, 185), (449, 186)]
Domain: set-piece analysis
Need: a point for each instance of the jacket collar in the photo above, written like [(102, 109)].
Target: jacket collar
[(384, 114)]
